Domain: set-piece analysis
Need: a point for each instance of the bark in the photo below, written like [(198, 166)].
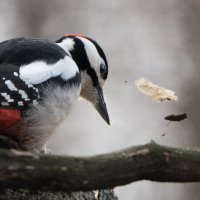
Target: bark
[(40, 172), (24, 194)]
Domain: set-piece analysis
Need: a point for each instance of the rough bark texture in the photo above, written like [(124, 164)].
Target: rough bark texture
[(22, 194), (21, 169), (25, 194)]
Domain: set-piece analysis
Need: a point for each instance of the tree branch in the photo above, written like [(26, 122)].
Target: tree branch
[(21, 169), (22, 194)]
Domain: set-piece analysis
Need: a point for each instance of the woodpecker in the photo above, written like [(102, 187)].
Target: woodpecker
[(41, 81)]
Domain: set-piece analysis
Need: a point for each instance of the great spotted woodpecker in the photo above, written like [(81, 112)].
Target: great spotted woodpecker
[(40, 81)]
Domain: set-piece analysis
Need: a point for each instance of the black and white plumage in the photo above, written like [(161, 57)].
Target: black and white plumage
[(44, 79), (93, 67), (26, 65)]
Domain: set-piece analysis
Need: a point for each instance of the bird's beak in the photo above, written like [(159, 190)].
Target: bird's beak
[(100, 105)]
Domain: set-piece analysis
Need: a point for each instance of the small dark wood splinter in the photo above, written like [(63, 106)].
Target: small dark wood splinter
[(176, 118)]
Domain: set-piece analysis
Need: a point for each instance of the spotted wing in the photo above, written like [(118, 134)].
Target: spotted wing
[(15, 92), (27, 64)]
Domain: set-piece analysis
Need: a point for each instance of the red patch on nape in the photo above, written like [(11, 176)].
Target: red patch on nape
[(75, 35), (9, 118)]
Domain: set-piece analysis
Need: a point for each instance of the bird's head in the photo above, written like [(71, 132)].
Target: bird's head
[(93, 67)]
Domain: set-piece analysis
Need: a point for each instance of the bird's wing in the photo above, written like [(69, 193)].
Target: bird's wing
[(26, 64), (14, 91)]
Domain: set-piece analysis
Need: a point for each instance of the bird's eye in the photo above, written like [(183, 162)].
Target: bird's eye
[(103, 70)]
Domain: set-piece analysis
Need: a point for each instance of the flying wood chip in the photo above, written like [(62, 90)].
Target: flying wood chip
[(176, 118), (157, 93)]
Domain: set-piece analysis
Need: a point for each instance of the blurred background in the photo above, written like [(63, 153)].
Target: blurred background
[(158, 40)]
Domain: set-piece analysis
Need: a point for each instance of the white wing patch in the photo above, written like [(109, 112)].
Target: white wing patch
[(67, 44), (39, 71)]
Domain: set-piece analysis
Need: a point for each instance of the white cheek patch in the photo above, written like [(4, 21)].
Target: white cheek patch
[(39, 71), (92, 53)]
